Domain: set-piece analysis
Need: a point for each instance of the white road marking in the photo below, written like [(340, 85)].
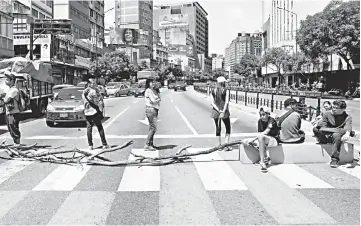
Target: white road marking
[(63, 178), (187, 122), (233, 120), (216, 176), (145, 121), (135, 102), (94, 206), (171, 100), (9, 199), (145, 178), (10, 168), (352, 171), (296, 177), (115, 118)]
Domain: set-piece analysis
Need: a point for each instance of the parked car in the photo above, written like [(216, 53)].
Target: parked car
[(67, 107), (180, 85)]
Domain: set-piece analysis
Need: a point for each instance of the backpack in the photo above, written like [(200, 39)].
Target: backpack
[(23, 99)]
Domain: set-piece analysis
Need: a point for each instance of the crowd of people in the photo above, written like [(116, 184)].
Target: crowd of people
[(333, 126)]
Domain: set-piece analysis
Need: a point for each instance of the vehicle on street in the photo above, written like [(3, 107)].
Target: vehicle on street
[(57, 88), (67, 107), (171, 85), (180, 85), (82, 84), (113, 88), (118, 89), (124, 90), (33, 77), (140, 91)]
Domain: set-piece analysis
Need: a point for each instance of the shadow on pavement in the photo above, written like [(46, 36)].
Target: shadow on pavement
[(165, 147)]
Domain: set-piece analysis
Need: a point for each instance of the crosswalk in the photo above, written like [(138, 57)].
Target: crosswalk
[(205, 190)]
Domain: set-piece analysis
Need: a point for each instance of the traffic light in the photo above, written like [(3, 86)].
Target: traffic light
[(52, 26)]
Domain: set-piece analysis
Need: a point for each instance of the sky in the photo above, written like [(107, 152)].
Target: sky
[(227, 18)]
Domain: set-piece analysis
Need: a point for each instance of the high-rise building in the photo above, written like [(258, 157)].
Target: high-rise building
[(138, 15), (6, 30), (245, 43), (192, 14), (217, 61)]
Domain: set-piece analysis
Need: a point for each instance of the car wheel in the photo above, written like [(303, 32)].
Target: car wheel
[(116, 95), (175, 90), (129, 93), (135, 95), (50, 124)]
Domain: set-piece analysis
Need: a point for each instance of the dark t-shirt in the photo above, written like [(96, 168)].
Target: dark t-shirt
[(271, 123)]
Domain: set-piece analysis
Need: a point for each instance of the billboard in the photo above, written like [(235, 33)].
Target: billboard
[(174, 20), (185, 50), (42, 44), (129, 37)]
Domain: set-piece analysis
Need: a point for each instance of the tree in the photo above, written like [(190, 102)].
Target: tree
[(335, 30), (177, 72), (112, 65), (247, 66), (219, 72), (143, 65), (279, 58)]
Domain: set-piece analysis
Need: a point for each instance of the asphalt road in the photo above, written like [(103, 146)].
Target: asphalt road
[(208, 190)]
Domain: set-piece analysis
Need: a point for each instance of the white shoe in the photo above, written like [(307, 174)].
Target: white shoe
[(90, 148)]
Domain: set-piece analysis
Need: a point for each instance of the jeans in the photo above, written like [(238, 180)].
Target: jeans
[(227, 123), (90, 122), (12, 122), (334, 138), (152, 115)]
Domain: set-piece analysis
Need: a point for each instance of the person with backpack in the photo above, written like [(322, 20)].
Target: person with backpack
[(93, 110), (13, 106)]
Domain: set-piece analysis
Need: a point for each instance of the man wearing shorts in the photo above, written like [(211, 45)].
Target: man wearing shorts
[(267, 126)]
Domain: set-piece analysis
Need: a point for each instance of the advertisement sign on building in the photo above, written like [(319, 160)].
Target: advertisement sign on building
[(42, 41), (124, 36), (181, 50), (175, 20), (81, 61)]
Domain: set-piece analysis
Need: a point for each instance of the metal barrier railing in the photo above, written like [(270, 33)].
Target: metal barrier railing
[(306, 112)]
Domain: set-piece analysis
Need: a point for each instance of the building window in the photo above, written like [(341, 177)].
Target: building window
[(41, 16), (175, 11), (91, 13), (35, 13)]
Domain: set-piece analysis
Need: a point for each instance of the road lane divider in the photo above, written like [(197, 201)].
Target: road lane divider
[(145, 178), (186, 122), (95, 133)]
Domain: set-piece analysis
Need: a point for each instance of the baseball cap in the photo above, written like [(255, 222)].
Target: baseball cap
[(265, 110), (221, 79)]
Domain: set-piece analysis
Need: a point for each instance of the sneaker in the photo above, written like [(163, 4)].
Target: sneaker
[(227, 149), (267, 160), (263, 167), (334, 163), (106, 147), (90, 148), (149, 148), (16, 145)]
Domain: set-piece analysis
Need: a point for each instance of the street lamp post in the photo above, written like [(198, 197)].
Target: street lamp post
[(296, 22)]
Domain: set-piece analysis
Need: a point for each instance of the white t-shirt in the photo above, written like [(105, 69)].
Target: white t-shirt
[(13, 93)]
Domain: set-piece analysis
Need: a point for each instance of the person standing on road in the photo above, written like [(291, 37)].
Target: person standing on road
[(12, 101), (220, 104), (152, 105), (93, 110)]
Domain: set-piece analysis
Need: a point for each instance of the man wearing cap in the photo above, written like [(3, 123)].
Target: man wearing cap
[(11, 101), (268, 129), (220, 104)]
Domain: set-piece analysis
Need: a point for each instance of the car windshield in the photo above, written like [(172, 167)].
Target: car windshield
[(69, 94), (110, 84)]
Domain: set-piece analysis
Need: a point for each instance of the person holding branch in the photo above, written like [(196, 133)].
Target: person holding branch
[(220, 111)]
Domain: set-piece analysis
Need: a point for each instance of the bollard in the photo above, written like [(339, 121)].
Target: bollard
[(245, 99), (272, 100), (281, 105), (267, 102), (276, 104), (318, 112), (236, 96), (257, 101)]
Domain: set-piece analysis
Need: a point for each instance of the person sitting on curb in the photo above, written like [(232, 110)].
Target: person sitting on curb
[(289, 123), (335, 128), (267, 126)]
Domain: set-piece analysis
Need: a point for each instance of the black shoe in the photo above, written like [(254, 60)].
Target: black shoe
[(334, 163)]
